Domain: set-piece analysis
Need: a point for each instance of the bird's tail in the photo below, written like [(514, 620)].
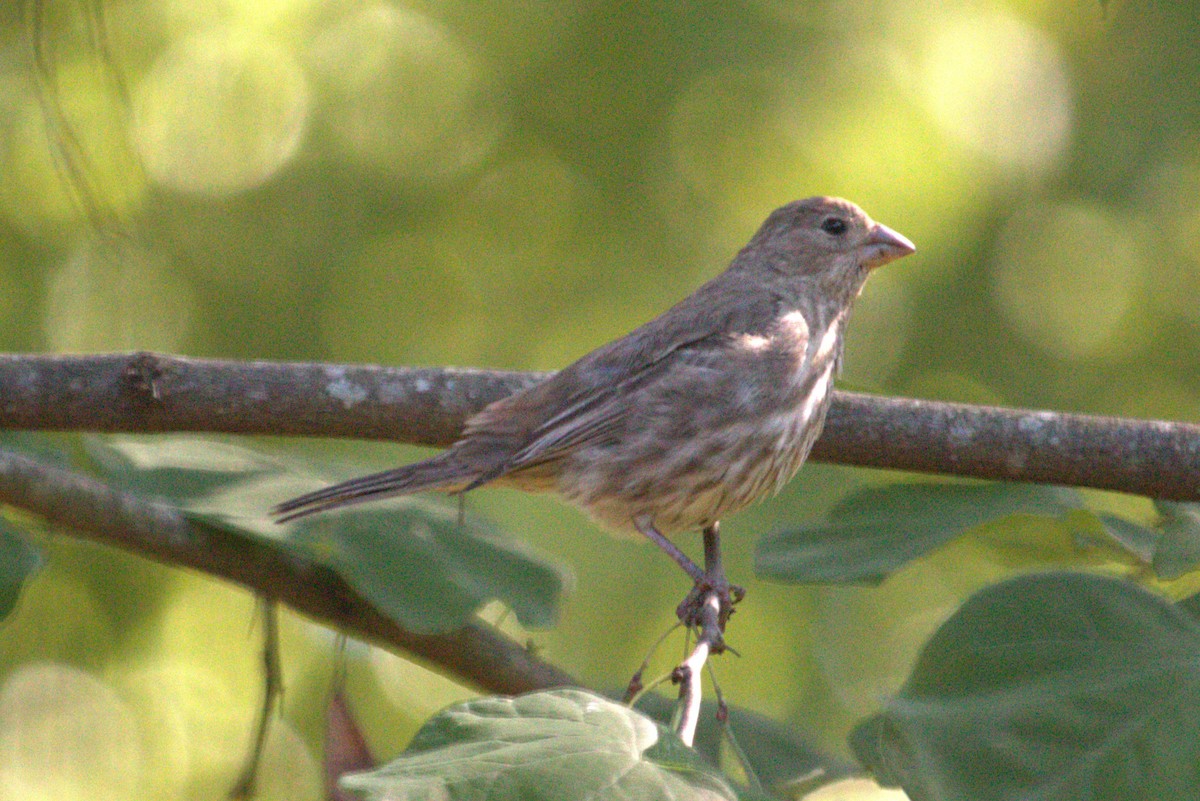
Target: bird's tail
[(442, 472)]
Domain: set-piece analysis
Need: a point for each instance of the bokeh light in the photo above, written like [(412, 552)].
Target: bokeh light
[(176, 703), (403, 95), (181, 17), (999, 87), (220, 112), (1067, 277), (116, 296), (743, 141), (65, 735)]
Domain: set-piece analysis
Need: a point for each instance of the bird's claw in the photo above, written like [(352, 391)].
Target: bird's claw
[(691, 610)]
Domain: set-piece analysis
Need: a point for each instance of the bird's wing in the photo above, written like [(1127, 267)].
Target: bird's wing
[(585, 402), (597, 416)]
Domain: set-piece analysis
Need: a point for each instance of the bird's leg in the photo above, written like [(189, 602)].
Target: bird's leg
[(707, 581), (714, 568), (705, 611), (646, 526), (712, 582), (714, 571)]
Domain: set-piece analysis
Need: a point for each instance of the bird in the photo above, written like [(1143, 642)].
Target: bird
[(694, 415)]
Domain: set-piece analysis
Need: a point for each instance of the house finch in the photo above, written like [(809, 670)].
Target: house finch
[(696, 414)]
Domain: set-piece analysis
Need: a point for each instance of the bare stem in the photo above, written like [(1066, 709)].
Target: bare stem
[(689, 672), (246, 785)]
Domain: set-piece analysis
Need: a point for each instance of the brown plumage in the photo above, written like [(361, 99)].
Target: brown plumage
[(696, 414)]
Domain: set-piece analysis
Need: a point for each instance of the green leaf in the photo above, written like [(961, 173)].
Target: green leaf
[(178, 468), (1171, 546), (777, 754), (1048, 686), (874, 531), (1178, 548), (1134, 538), (559, 744), (45, 447), (418, 564), (1190, 604), (19, 560), (413, 559)]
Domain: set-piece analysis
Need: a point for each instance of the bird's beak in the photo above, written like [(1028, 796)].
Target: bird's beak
[(883, 245)]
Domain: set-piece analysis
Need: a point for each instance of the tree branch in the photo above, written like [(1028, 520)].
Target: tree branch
[(146, 392), (1154, 458), (160, 532)]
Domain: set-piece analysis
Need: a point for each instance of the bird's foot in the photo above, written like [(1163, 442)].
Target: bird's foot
[(711, 591), (692, 611)]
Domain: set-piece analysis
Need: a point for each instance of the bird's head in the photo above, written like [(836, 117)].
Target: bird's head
[(828, 238)]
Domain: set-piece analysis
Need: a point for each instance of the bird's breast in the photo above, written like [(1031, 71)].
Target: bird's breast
[(781, 394), (715, 436)]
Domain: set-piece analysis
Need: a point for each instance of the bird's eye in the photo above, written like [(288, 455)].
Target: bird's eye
[(834, 226)]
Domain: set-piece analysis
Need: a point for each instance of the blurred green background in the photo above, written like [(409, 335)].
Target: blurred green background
[(510, 185)]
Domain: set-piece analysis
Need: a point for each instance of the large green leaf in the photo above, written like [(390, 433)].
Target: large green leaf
[(1178, 549), (874, 531), (19, 560), (1171, 546), (429, 571), (415, 560), (1048, 686), (777, 754), (1134, 538), (1190, 604), (178, 468), (560, 744), (45, 447)]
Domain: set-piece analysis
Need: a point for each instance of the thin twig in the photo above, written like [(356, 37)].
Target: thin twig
[(146, 393), (98, 512), (636, 687), (691, 670), (246, 785)]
